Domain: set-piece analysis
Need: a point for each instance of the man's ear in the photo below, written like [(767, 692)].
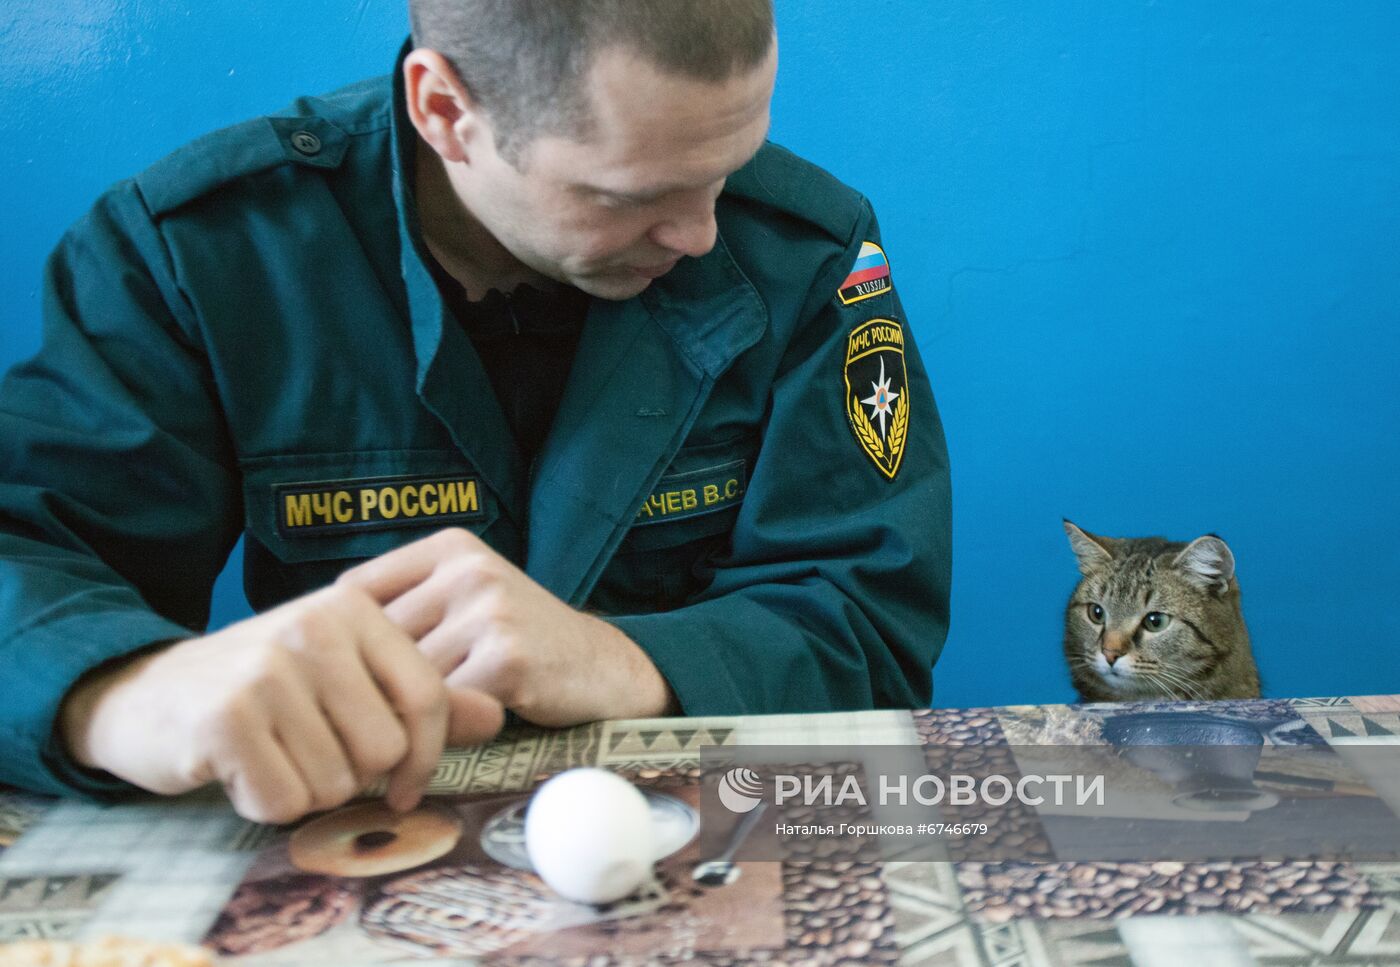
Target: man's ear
[(439, 105)]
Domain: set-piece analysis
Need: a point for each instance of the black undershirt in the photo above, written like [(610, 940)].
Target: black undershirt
[(526, 341)]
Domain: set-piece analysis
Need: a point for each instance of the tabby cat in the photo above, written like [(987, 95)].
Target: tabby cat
[(1153, 619)]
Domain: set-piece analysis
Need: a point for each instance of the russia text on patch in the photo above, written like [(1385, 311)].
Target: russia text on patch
[(869, 276), (331, 506)]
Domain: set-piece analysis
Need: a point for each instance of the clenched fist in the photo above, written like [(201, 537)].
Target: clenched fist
[(294, 710)]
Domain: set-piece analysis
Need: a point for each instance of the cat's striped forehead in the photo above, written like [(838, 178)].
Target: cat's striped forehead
[(1143, 573), (1131, 576)]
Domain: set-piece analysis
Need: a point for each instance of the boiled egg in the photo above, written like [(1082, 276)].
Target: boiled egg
[(589, 836)]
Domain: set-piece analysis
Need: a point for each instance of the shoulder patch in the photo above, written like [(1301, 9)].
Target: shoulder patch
[(235, 152), (877, 392), (778, 178), (869, 275)]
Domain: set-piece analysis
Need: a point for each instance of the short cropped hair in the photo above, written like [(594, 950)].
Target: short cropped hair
[(524, 61)]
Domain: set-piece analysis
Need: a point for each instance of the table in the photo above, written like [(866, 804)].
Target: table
[(168, 869)]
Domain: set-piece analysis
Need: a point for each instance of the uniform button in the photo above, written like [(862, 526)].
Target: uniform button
[(306, 142)]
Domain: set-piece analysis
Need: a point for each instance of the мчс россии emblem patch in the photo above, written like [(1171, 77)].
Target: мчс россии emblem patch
[(877, 392)]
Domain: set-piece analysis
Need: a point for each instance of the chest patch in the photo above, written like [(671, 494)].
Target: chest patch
[(334, 506), (877, 392), (696, 492)]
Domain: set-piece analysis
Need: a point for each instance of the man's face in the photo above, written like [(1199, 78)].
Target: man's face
[(613, 212)]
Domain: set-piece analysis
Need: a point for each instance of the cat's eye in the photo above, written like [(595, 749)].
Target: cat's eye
[(1095, 613), (1156, 620)]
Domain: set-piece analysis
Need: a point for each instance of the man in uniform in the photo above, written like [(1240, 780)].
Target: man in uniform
[(534, 381)]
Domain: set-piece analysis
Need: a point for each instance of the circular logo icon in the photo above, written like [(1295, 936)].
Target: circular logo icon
[(740, 790)]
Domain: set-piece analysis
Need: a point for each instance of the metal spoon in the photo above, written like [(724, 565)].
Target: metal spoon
[(721, 870)]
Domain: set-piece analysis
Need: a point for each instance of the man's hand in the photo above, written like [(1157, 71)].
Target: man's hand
[(485, 624), (294, 710)]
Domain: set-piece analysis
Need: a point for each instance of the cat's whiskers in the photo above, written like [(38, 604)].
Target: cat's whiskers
[(1160, 685), (1156, 683), (1178, 667), (1182, 679), (1190, 690)]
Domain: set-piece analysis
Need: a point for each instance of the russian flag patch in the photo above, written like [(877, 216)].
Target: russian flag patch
[(870, 276)]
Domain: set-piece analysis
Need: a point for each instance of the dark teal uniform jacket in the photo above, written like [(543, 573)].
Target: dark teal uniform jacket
[(245, 340)]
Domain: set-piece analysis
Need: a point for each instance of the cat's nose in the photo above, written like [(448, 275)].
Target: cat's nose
[(1114, 647)]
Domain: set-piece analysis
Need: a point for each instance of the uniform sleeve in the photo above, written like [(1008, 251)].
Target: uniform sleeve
[(118, 505), (835, 592)]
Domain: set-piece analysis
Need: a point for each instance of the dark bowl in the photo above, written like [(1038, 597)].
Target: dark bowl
[(1179, 728), (1208, 759)]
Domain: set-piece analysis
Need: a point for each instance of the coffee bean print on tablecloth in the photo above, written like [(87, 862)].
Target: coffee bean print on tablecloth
[(998, 892), (971, 742), (958, 726)]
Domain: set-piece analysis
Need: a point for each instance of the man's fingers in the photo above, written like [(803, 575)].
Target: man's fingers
[(418, 611), (261, 781), (475, 717), (369, 727), (417, 694), (480, 672), (314, 750), (445, 648), (387, 577), (407, 781)]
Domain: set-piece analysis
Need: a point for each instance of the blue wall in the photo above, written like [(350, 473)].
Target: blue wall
[(1151, 253)]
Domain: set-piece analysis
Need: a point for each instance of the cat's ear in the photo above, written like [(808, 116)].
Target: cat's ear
[(1207, 563), (1092, 552)]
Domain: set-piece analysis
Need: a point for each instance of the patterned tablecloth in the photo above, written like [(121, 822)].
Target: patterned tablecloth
[(191, 870)]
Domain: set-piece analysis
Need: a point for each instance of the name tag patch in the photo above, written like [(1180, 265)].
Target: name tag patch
[(331, 506), (683, 495)]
